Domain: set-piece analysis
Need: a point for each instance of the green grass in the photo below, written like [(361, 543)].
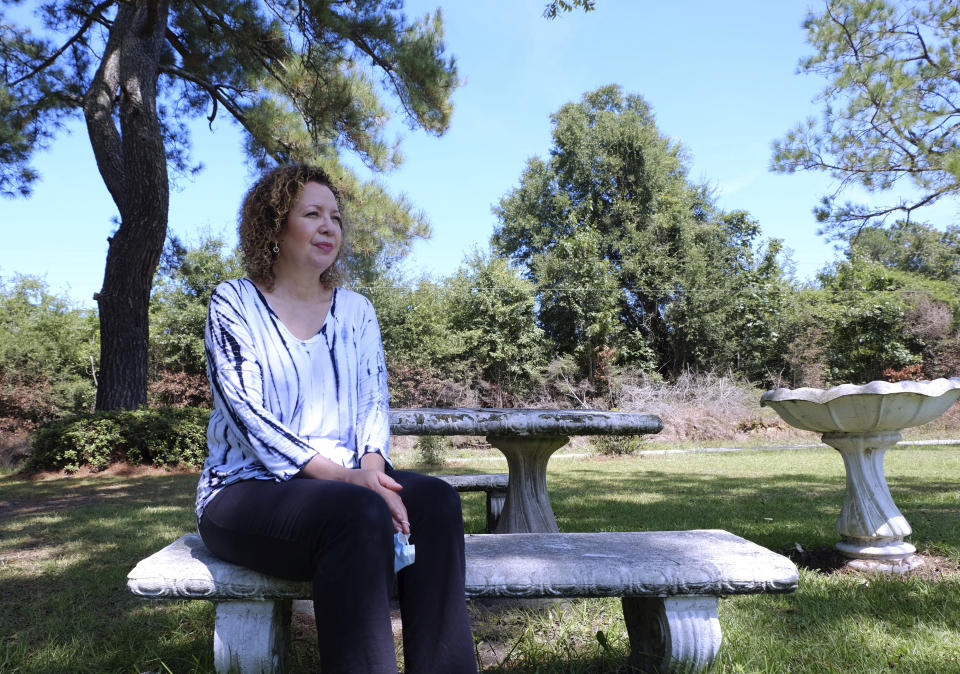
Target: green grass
[(67, 544)]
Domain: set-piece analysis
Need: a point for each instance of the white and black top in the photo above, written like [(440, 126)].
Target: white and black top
[(279, 400)]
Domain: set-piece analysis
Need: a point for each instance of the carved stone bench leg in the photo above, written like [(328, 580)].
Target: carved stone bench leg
[(672, 634), (495, 499), (251, 637)]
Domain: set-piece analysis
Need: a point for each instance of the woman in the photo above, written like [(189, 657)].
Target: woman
[(297, 482)]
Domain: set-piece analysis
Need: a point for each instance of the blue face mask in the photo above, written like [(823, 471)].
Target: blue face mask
[(404, 554)]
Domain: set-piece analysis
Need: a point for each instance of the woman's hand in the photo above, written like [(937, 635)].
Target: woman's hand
[(372, 464), (387, 487)]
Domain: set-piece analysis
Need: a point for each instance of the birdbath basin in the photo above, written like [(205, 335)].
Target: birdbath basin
[(862, 422)]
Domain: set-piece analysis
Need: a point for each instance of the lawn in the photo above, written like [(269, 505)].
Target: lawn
[(66, 544)]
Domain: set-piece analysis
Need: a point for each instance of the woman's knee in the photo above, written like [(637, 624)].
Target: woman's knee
[(436, 502), (368, 510), (334, 512), (446, 497)]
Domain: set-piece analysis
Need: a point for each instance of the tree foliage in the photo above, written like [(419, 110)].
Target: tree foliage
[(304, 80), (626, 253), (556, 7), (492, 311), (47, 348), (470, 338), (178, 307), (891, 107), (911, 247), (879, 318), (730, 311)]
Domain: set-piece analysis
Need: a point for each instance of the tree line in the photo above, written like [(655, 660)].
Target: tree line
[(484, 336)]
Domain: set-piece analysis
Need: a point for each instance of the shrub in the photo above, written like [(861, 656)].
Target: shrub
[(179, 389), (14, 441), (47, 347), (696, 406), (158, 437), (908, 373), (422, 386), (944, 360), (431, 449), (617, 445)]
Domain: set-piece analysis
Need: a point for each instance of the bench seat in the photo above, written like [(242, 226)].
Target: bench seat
[(669, 583), (495, 486)]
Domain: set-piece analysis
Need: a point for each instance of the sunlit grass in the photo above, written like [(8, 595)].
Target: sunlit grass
[(67, 544)]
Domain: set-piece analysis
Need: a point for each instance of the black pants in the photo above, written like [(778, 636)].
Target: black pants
[(340, 536)]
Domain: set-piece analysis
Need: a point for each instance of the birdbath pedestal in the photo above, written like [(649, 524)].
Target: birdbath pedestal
[(862, 423)]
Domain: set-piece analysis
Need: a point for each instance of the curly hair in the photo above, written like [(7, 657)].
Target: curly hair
[(263, 215)]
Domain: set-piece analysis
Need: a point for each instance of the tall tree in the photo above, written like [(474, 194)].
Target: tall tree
[(304, 80), (595, 224), (912, 247), (891, 107), (625, 252)]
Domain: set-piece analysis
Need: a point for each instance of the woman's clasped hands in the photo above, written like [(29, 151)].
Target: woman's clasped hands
[(388, 488)]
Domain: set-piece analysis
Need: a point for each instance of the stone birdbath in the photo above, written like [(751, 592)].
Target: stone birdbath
[(862, 423), (527, 438)]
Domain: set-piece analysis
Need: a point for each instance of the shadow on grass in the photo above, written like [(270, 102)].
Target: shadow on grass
[(66, 548), (848, 623)]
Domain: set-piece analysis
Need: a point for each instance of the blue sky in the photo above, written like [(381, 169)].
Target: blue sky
[(721, 78)]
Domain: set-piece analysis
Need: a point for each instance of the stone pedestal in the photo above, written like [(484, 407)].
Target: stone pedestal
[(527, 508), (870, 525), (672, 633), (251, 636)]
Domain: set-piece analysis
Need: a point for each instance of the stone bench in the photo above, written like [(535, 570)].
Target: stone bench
[(495, 486), (669, 583)]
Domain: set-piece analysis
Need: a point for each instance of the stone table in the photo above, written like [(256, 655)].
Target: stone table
[(527, 438)]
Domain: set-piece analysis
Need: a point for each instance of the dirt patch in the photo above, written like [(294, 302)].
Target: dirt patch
[(14, 442), (120, 469), (830, 561)]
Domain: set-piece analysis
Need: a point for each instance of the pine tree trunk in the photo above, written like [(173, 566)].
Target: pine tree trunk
[(132, 162), (124, 306)]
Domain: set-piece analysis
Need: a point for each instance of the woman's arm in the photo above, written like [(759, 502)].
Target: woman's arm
[(373, 397), (237, 374)]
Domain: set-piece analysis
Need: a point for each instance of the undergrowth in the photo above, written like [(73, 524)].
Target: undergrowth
[(165, 436)]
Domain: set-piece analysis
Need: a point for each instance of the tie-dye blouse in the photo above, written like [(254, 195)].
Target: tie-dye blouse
[(279, 400)]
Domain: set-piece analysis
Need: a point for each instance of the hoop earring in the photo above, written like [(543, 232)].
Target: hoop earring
[(276, 248)]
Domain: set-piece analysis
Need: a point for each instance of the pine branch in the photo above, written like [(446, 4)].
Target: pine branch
[(76, 36), (218, 97)]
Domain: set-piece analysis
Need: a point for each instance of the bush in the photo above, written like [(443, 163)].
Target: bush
[(179, 389), (47, 347), (617, 445), (158, 437), (431, 449)]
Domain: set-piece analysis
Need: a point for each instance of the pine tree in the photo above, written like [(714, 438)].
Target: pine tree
[(304, 79)]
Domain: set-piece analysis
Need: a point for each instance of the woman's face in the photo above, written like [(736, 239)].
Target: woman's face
[(310, 240)]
